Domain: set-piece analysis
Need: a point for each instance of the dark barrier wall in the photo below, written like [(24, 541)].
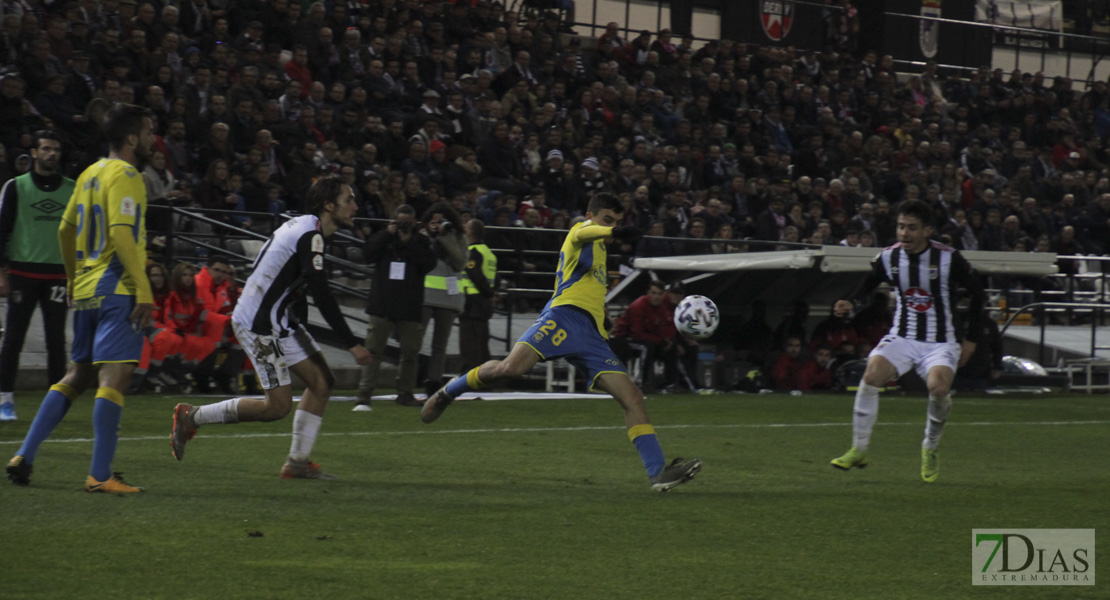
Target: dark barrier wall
[(946, 43), (682, 16)]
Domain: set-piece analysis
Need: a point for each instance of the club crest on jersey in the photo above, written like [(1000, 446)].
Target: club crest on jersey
[(776, 16), (918, 299), (317, 243), (127, 206), (934, 272)]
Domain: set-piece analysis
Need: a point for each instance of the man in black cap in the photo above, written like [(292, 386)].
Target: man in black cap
[(80, 84), (251, 37)]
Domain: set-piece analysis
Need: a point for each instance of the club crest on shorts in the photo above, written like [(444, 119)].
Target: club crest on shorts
[(776, 16)]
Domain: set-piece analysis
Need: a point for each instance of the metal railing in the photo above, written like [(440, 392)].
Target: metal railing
[(1084, 293), (1097, 311)]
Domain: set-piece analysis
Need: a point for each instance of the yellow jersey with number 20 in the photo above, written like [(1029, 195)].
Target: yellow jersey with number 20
[(110, 193), (581, 280)]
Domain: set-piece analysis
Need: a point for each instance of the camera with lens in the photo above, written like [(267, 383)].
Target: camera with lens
[(445, 227), (403, 226)]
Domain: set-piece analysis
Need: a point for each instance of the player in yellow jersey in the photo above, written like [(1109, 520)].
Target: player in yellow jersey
[(103, 243), (571, 326)]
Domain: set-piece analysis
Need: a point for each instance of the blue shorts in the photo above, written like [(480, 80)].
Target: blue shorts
[(563, 332), (102, 331)]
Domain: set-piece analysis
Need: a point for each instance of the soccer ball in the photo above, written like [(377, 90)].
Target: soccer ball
[(696, 317)]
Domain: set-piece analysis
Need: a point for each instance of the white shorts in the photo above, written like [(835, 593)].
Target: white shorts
[(272, 355), (906, 354)]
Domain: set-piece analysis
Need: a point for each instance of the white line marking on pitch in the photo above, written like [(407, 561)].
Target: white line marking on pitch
[(160, 438)]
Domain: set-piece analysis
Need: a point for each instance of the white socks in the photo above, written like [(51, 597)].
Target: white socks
[(866, 412), (938, 416), (305, 427), (7, 397), (220, 412)]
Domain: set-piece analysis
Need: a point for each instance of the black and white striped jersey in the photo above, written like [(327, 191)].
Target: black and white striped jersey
[(291, 261), (926, 284)]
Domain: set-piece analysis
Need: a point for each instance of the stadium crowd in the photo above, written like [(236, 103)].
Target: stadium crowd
[(415, 101), (513, 121)]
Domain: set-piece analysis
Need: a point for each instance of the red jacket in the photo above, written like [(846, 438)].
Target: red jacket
[(786, 373), (159, 311), (643, 322), (815, 377), (220, 298), (184, 315), (301, 74)]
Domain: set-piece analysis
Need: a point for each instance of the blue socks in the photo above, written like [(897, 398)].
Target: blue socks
[(106, 418), (643, 437), (462, 385), (54, 407)]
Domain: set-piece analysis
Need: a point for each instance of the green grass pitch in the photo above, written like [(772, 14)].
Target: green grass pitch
[(547, 499)]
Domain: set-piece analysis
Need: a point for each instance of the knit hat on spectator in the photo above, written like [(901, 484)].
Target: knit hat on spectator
[(435, 146), (555, 154), (590, 163)]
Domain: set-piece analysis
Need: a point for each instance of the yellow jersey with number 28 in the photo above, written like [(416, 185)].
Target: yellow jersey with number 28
[(582, 278)]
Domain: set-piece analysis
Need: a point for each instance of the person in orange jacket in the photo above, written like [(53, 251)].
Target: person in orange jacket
[(219, 292), (186, 316), (160, 342)]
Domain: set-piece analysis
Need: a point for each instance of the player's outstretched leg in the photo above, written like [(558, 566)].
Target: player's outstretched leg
[(519, 361), (661, 476)]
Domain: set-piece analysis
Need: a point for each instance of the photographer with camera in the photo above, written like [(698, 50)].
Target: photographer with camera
[(401, 256), (444, 297)]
